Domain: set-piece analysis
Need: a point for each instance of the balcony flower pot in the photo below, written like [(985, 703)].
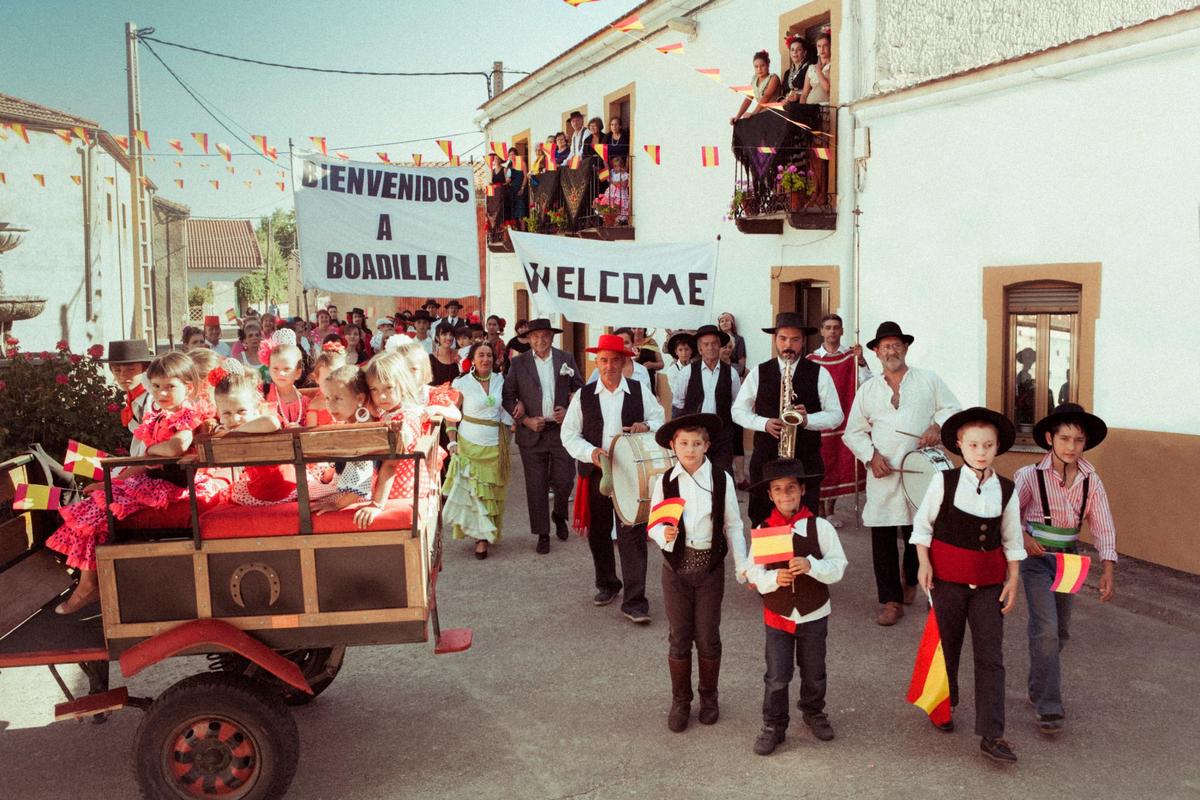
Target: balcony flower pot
[(610, 219)]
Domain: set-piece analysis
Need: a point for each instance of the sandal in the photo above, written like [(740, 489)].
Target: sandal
[(481, 554)]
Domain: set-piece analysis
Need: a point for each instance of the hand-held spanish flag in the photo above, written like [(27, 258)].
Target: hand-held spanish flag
[(202, 140), (84, 460), (654, 151), (930, 686), (320, 143), (447, 147), (35, 497), (771, 545), (230, 314), (1070, 571), (668, 512), (822, 153), (709, 157)]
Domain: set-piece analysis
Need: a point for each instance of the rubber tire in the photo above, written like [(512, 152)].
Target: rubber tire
[(325, 660), (248, 702)]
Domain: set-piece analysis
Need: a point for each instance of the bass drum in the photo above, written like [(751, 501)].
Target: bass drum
[(636, 461), (917, 471)]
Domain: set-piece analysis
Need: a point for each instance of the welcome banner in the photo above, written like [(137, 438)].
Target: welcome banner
[(382, 229), (619, 283)]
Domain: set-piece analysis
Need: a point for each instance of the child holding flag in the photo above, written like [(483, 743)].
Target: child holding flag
[(1057, 495), (695, 519), (968, 538), (794, 559)]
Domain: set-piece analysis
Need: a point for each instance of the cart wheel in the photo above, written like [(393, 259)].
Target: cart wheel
[(216, 735), (319, 665)]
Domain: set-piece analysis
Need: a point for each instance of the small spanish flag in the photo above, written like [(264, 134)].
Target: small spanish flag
[(261, 142), (83, 134), (548, 152), (176, 145), (143, 137), (455, 161), (603, 174), (709, 157), (35, 497), (178, 164), (491, 190), (40, 178), (929, 689), (248, 184), (282, 186), (770, 545), (341, 155), (1070, 571), (64, 135), (602, 151), (179, 182), (224, 150), (667, 49), (577, 2), (232, 170), (109, 180), (500, 149), (668, 512), (654, 151), (19, 129), (575, 162), (745, 89), (715, 74), (519, 162), (766, 149), (202, 140), (3, 178), (230, 314), (416, 159), (215, 184), (123, 141), (822, 153), (77, 180), (84, 460), (383, 157), (630, 23), (320, 143), (447, 147)]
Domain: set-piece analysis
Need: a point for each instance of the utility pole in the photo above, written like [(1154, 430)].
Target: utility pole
[(267, 278), (139, 217)]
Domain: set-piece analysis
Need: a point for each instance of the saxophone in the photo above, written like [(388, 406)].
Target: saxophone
[(789, 415)]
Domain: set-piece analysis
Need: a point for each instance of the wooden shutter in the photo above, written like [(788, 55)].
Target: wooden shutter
[(1043, 298)]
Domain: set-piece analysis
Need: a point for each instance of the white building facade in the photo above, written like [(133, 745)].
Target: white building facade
[(1028, 196)]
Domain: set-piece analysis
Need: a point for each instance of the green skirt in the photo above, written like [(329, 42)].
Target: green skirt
[(474, 491)]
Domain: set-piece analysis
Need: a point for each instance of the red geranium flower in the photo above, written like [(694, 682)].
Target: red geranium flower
[(12, 341), (62, 345), (75, 359), (96, 350), (29, 356), (45, 355), (11, 352), (60, 379), (3, 385)]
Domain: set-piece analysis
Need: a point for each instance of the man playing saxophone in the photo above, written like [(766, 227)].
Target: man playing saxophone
[(787, 401)]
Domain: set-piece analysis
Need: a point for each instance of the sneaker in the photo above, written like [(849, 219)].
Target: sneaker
[(1050, 724), (637, 617), (604, 597), (890, 614), (997, 750), (819, 725), (543, 545), (768, 739)]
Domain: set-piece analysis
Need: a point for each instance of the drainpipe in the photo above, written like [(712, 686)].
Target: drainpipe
[(85, 155)]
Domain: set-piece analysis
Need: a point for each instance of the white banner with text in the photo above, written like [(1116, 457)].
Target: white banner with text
[(383, 229), (619, 283)]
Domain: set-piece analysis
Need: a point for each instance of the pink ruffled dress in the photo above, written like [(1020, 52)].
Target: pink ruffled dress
[(85, 524), (417, 421)]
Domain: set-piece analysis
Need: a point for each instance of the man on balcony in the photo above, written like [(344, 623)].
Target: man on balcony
[(580, 140)]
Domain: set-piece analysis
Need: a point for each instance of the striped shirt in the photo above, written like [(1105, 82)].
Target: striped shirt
[(1064, 502)]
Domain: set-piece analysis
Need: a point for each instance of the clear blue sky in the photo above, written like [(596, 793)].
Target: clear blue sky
[(71, 56)]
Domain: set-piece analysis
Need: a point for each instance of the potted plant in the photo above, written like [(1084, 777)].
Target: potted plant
[(532, 221), (798, 183), (557, 218), (743, 203), (607, 208)]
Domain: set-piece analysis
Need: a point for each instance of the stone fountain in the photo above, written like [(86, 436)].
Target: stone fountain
[(14, 308)]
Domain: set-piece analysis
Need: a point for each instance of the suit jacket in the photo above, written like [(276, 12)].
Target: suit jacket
[(522, 383)]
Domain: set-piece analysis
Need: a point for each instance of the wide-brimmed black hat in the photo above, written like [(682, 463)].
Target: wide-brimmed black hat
[(1094, 428), (1006, 433), (887, 330), (784, 468), (575, 113), (129, 351), (790, 319), (666, 433), (541, 324), (453, 304), (421, 313), (431, 302), (712, 330), (678, 338)]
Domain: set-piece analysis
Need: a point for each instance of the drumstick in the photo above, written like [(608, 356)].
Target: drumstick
[(906, 433)]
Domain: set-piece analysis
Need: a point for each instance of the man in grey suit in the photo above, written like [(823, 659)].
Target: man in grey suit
[(537, 390)]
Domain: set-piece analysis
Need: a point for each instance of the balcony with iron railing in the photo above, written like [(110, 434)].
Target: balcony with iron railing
[(785, 170), (586, 199)]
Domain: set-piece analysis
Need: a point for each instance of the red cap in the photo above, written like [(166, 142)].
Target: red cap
[(613, 342), (212, 319)]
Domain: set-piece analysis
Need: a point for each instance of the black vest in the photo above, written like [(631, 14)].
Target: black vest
[(806, 594), (966, 548), (670, 488), (693, 400), (592, 429), (766, 404)]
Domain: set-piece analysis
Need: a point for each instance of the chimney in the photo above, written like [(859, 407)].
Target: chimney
[(497, 77)]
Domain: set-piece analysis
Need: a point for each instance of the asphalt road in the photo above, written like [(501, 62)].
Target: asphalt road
[(559, 699)]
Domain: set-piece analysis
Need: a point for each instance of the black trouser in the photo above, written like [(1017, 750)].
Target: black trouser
[(547, 464), (693, 605), (807, 647), (760, 504), (631, 544), (957, 605), (887, 563)]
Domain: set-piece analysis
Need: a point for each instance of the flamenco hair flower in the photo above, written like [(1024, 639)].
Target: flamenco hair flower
[(466, 365), (333, 347), (216, 375), (264, 350)]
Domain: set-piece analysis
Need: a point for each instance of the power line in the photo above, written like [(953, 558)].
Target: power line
[(173, 154)]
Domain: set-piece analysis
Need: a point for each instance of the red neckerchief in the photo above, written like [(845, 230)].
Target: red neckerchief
[(776, 519), (133, 394)]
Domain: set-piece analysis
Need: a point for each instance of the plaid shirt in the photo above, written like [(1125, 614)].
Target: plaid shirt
[(1064, 502)]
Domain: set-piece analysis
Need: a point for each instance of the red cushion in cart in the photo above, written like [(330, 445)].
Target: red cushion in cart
[(231, 521), (176, 515)]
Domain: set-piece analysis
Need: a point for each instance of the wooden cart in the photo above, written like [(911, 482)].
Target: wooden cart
[(273, 595)]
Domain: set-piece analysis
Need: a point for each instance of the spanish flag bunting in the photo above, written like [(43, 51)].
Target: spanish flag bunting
[(19, 129), (499, 148), (771, 545), (715, 74), (77, 180), (766, 149), (179, 182), (109, 180), (215, 184), (822, 153), (3, 135), (455, 161), (320, 143), (929, 689), (602, 151), (142, 137), (384, 158), (341, 155), (176, 145), (123, 141), (84, 460), (603, 174), (35, 497), (416, 159), (258, 172), (40, 178), (232, 170), (86, 137), (282, 174), (202, 140), (668, 512), (179, 165), (675, 48), (575, 3), (447, 147), (654, 151), (260, 141), (230, 315), (1070, 571), (630, 23), (281, 185), (3, 178), (709, 157), (575, 162), (273, 153), (745, 89), (64, 135), (224, 150), (247, 184)]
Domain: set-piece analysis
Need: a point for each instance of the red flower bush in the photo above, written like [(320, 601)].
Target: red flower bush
[(96, 350), (62, 345), (61, 380)]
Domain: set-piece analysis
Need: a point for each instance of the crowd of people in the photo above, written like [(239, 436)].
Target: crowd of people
[(971, 543)]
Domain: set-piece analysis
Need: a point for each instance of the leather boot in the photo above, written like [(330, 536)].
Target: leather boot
[(710, 671), (681, 693)]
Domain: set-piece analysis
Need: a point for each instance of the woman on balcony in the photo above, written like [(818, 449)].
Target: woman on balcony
[(765, 85), (515, 205), (793, 78), (618, 139), (562, 148), (816, 81)]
